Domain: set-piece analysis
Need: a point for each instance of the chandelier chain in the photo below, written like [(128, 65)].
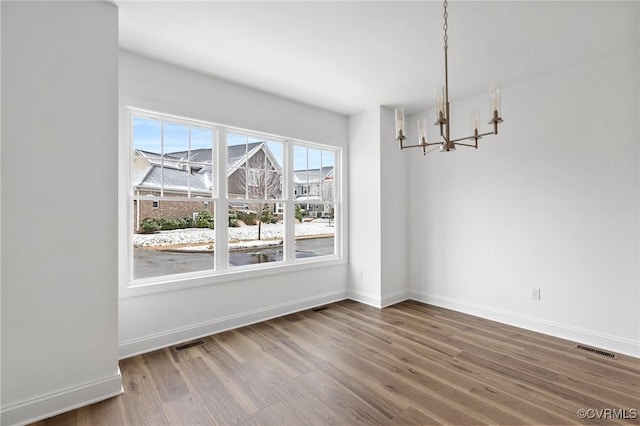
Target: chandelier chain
[(446, 24)]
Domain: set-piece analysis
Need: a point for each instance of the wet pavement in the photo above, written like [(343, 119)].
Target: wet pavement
[(152, 263)]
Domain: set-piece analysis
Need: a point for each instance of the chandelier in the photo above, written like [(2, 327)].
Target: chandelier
[(442, 114)]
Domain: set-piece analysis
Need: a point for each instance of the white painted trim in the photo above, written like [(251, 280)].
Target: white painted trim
[(130, 287), (149, 343), (237, 273), (366, 298), (46, 406), (563, 331), (393, 298)]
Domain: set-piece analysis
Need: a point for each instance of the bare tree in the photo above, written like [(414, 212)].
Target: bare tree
[(262, 183)]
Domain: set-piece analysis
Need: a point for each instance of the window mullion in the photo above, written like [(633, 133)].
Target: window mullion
[(289, 210), (189, 162), (162, 158), (221, 246)]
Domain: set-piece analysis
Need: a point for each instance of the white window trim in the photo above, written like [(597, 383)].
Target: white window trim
[(222, 272)]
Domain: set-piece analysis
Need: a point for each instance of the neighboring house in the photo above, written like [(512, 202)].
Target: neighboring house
[(314, 186), (190, 174)]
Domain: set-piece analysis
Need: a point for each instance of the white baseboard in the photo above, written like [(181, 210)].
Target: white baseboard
[(366, 298), (59, 402), (393, 298), (150, 343), (588, 337), (173, 337)]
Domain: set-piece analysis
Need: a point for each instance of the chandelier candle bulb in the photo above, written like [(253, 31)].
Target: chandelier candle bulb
[(422, 131), (475, 120), (494, 96), (439, 98), (400, 124)]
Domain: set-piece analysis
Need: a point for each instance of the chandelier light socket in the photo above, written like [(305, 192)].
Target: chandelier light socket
[(400, 131)]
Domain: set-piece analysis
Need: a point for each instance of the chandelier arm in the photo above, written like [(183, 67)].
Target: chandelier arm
[(430, 151), (423, 144), (465, 144), (472, 137)]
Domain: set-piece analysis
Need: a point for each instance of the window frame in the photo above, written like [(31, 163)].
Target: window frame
[(222, 271)]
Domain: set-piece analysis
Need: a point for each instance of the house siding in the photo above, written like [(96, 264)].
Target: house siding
[(167, 210)]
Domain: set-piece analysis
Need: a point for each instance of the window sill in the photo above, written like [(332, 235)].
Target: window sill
[(199, 279)]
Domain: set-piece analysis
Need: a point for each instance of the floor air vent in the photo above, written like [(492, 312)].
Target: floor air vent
[(597, 351), (188, 345), (321, 308)]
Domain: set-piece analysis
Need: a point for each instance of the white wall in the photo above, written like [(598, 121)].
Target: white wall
[(59, 193), (638, 121), (551, 202), (157, 320), (365, 249), (378, 199), (0, 193), (394, 212)]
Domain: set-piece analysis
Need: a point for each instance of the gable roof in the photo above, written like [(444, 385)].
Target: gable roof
[(301, 177), (177, 178), (173, 180), (200, 155), (235, 154)]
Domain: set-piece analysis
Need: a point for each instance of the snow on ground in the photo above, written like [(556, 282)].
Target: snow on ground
[(240, 235)]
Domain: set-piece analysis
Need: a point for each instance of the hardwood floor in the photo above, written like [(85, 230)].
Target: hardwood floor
[(348, 363)]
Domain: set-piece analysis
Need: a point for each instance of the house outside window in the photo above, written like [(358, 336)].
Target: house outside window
[(207, 200)]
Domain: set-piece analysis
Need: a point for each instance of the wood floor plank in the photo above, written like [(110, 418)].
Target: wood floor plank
[(277, 414), (187, 410), (240, 347), (142, 403), (353, 364), (220, 403), (417, 359), (398, 378), (444, 385), (294, 395), (275, 350), (351, 410), (346, 378), (167, 377), (411, 416), (242, 378)]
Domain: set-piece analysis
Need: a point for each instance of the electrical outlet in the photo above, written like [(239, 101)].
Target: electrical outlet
[(535, 293), (360, 274)]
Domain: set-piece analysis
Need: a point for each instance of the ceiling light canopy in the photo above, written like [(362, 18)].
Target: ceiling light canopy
[(442, 115)]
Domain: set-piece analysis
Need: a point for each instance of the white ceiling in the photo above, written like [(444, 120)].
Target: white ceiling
[(351, 56)]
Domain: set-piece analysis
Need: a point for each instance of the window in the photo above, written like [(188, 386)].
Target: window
[(254, 184), (171, 162), (314, 172), (207, 200)]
